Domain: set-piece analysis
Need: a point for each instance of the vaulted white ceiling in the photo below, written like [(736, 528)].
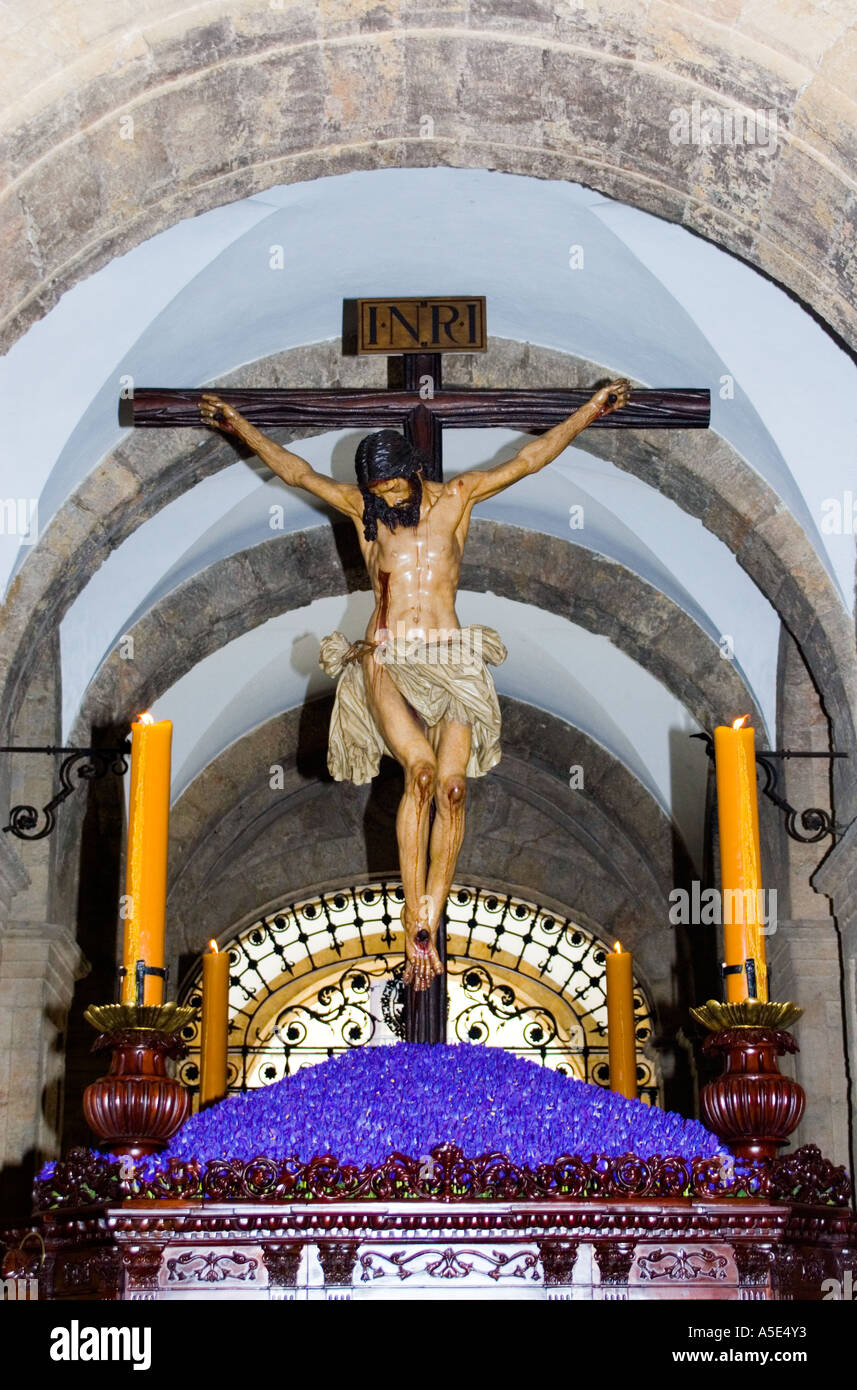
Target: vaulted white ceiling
[(650, 301)]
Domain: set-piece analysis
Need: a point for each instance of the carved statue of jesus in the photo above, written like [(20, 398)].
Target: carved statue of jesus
[(416, 686)]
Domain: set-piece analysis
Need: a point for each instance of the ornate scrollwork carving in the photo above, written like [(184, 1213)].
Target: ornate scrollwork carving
[(211, 1267), (805, 1177), (754, 1269), (450, 1263), (682, 1264), (81, 1179)]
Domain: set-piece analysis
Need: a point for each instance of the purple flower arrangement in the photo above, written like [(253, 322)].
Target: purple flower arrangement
[(364, 1105)]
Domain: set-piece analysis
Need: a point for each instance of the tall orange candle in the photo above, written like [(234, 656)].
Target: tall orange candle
[(740, 861), (146, 870), (215, 1024), (621, 1033)]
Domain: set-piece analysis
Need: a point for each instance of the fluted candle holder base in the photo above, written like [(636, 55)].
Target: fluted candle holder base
[(137, 1107), (752, 1107)]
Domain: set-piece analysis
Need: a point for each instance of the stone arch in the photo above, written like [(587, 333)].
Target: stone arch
[(591, 104), (586, 108)]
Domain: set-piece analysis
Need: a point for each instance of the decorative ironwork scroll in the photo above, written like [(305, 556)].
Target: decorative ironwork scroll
[(82, 765), (808, 826), (495, 1011)]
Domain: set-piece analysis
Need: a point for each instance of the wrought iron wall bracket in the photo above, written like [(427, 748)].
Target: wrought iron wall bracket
[(79, 765), (809, 826)]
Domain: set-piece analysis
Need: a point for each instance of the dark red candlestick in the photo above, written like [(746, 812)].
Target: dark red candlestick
[(752, 1107), (137, 1107)]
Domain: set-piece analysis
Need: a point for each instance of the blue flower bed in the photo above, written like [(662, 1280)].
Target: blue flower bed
[(364, 1105)]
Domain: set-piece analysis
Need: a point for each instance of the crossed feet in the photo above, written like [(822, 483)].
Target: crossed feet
[(422, 962)]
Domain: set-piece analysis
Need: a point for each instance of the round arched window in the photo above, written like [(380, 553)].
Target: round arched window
[(323, 975)]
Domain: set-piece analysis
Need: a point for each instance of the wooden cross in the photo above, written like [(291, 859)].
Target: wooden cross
[(421, 406), (417, 402)]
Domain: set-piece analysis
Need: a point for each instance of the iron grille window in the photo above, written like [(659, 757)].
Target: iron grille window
[(323, 975)]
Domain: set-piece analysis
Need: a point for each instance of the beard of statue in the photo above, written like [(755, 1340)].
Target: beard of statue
[(407, 513), (382, 457)]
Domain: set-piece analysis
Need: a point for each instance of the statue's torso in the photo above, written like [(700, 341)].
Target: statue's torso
[(415, 569)]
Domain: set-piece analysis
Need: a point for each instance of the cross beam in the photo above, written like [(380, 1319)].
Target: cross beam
[(423, 409)]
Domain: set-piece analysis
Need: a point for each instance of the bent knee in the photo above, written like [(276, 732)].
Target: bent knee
[(422, 776), (452, 790)]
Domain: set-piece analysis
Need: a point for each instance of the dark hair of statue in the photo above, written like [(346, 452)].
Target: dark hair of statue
[(380, 456)]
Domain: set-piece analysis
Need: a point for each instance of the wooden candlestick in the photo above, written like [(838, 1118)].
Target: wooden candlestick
[(137, 1107)]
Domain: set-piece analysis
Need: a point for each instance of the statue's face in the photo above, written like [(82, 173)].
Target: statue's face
[(392, 502), (392, 490)]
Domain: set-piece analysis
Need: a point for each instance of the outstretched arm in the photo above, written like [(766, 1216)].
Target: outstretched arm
[(293, 470), (483, 483)]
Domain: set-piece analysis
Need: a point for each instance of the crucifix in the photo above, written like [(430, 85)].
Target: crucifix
[(417, 686)]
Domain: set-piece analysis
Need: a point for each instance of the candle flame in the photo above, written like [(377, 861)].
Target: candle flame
[(145, 718), (617, 947), (739, 723), (212, 946)]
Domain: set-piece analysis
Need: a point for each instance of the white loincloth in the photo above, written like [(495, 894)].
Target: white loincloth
[(440, 680)]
